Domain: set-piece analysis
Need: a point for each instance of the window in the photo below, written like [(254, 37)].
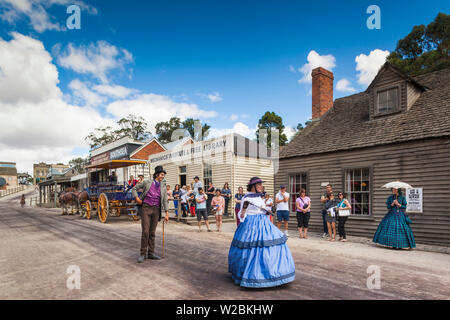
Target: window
[(296, 183), (357, 187), (387, 101), (182, 175), (207, 174)]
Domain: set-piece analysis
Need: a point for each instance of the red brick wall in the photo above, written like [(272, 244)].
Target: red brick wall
[(151, 148), (322, 91)]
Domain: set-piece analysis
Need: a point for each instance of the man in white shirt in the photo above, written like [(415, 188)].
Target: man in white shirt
[(197, 184), (282, 203)]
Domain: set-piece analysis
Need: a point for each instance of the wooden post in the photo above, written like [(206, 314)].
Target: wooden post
[(55, 193)]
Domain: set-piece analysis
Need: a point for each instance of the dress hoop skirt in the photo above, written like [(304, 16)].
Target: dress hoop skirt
[(259, 256), (394, 231)]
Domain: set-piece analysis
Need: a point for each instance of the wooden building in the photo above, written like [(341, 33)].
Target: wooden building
[(398, 129), (55, 182), (231, 158)]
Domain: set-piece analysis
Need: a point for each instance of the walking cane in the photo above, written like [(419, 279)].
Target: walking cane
[(164, 222)]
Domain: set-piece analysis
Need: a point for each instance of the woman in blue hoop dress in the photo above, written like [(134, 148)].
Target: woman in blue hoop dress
[(259, 256)]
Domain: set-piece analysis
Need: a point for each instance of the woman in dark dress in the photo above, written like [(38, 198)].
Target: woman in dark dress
[(226, 193), (210, 194), (394, 230)]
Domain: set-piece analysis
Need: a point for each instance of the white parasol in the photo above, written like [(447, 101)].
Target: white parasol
[(397, 185)]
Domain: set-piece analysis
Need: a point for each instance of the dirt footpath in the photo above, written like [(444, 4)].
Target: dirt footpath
[(39, 245)]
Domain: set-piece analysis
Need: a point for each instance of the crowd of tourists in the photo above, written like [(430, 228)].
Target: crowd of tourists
[(201, 202)]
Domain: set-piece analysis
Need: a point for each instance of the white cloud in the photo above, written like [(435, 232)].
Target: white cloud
[(26, 71), (368, 66), (343, 85), (39, 123), (214, 97), (96, 59), (155, 108), (83, 95), (316, 60), (239, 128), (289, 131), (36, 12), (114, 91), (235, 117)]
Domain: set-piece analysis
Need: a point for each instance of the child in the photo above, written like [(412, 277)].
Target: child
[(269, 203), (192, 204)]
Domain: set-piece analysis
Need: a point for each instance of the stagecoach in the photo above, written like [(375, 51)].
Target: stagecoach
[(107, 198)]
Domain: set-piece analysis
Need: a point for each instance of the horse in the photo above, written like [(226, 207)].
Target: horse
[(82, 197), (65, 199)]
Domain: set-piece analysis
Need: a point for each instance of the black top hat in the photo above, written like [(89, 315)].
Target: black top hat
[(159, 169)]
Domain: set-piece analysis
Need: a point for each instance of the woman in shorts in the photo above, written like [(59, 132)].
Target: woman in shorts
[(331, 206), (303, 206), (218, 204)]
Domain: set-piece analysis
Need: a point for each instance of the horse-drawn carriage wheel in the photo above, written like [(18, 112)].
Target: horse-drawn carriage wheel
[(88, 209), (103, 208)]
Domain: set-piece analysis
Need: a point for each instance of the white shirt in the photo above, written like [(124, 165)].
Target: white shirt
[(184, 198), (197, 185), (255, 207), (282, 205)]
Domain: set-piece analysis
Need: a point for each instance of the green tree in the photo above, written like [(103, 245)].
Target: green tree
[(425, 48), (79, 164), (270, 120), (300, 127), (164, 130), (132, 126), (100, 136), (189, 124)]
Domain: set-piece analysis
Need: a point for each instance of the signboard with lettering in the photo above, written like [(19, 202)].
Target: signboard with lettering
[(414, 199), (197, 150), (100, 158), (120, 153)]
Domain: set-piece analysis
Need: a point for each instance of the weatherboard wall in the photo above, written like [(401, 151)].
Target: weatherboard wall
[(421, 163)]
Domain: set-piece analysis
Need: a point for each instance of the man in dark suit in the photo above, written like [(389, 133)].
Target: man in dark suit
[(153, 200)]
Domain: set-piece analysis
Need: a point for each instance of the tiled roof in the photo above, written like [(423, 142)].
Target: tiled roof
[(346, 125)]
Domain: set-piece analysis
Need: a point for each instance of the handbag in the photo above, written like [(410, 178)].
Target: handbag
[(343, 212), (305, 205), (331, 212)]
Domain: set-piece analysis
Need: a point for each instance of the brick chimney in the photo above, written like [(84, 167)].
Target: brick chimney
[(322, 91)]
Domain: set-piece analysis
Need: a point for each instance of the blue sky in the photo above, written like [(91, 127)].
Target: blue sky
[(246, 53)]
